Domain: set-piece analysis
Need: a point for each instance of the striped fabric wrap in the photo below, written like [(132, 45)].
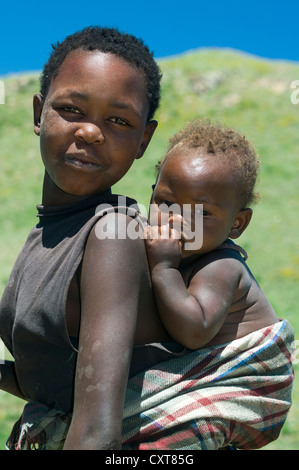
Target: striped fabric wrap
[(236, 394), (230, 396)]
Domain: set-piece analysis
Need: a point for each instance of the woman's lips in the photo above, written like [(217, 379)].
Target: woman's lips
[(82, 161)]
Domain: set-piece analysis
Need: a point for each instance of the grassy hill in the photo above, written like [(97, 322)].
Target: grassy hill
[(239, 90)]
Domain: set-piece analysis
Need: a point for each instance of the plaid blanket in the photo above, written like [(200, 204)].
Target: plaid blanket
[(236, 394)]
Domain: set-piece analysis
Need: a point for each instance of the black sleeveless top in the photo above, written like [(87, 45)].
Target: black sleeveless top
[(32, 309)]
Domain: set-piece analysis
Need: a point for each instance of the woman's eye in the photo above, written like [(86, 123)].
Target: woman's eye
[(71, 109), (120, 121)]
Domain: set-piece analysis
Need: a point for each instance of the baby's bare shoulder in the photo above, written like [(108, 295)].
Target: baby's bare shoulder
[(224, 262)]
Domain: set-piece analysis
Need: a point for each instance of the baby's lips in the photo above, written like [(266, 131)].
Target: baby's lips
[(187, 239)]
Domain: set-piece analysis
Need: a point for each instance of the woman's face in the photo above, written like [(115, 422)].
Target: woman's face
[(92, 123)]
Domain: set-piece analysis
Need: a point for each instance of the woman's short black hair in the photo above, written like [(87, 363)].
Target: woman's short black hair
[(108, 40)]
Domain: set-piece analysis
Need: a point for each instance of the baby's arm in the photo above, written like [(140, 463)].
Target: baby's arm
[(110, 295), (192, 316)]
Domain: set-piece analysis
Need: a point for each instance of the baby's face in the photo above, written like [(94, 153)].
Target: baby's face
[(93, 123), (202, 187)]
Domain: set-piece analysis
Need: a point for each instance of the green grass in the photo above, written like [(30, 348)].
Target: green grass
[(239, 90), (10, 409)]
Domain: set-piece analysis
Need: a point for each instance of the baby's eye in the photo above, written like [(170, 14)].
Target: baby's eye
[(160, 202), (167, 203), (206, 213), (202, 212)]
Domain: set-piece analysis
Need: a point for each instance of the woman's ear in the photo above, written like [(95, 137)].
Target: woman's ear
[(148, 134), (38, 104), (241, 222)]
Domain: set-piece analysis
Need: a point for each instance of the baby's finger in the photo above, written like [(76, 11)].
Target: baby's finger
[(175, 234), (154, 232), (151, 232), (147, 232), (177, 222), (165, 232)]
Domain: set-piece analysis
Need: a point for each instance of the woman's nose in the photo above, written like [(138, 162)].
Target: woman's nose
[(90, 133)]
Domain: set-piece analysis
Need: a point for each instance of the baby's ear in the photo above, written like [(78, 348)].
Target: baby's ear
[(241, 222), (38, 104)]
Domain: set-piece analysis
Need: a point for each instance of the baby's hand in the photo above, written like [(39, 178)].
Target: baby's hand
[(163, 246)]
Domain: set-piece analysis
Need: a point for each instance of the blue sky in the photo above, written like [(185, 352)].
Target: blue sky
[(263, 28)]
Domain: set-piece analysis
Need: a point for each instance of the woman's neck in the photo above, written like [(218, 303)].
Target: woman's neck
[(54, 196)]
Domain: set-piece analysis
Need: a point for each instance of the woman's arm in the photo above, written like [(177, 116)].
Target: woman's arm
[(8, 379), (110, 296)]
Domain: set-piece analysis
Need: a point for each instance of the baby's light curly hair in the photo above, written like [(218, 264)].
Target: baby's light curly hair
[(226, 144)]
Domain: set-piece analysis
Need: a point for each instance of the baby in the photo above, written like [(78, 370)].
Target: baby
[(205, 293)]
